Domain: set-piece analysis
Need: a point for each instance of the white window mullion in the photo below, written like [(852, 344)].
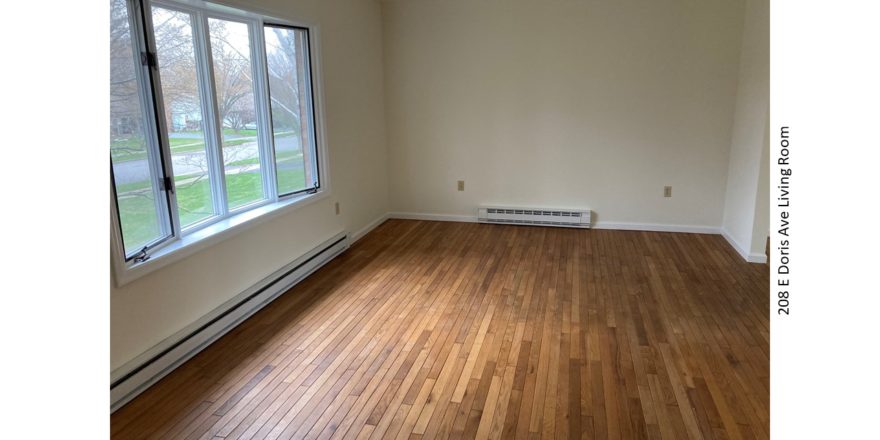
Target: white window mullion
[(212, 125), (264, 118)]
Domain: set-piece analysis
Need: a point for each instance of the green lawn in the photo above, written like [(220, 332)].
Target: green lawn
[(280, 156), (137, 211), (132, 148), (290, 179)]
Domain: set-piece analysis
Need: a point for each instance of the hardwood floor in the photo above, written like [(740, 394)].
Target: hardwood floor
[(463, 330)]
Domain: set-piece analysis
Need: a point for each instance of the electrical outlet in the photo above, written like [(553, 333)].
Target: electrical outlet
[(461, 185), (667, 191), (337, 208)]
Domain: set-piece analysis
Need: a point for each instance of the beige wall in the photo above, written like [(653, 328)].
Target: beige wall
[(746, 214), (595, 104), (150, 309)]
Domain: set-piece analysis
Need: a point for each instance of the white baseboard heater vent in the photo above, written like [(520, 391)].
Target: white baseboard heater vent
[(139, 374), (565, 218)]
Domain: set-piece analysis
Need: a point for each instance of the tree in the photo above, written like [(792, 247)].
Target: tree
[(232, 76), (124, 105), (177, 67)]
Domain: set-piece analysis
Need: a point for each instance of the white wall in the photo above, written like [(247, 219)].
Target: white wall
[(746, 221), (594, 104), (150, 309)]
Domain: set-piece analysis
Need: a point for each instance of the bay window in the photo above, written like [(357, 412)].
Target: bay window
[(212, 117)]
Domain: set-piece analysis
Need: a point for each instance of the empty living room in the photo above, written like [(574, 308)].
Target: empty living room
[(430, 219)]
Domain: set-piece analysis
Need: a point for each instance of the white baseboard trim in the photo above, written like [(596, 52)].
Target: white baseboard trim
[(748, 256), (131, 379), (369, 227), (757, 258), (653, 227), (433, 217), (598, 225)]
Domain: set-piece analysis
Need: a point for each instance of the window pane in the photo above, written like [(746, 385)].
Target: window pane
[(233, 82), (141, 204), (183, 114), (290, 96)]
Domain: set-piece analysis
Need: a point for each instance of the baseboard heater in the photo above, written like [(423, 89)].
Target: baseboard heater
[(566, 218), (133, 378)]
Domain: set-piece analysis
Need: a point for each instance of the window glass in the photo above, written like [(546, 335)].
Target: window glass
[(234, 86), (290, 101), (139, 200), (175, 50)]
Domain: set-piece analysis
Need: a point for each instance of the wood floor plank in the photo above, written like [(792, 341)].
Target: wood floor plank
[(461, 330)]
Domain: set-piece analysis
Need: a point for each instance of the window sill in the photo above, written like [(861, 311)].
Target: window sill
[(189, 244)]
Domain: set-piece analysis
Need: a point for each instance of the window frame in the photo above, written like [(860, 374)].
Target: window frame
[(155, 156), (311, 104), (177, 243)]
